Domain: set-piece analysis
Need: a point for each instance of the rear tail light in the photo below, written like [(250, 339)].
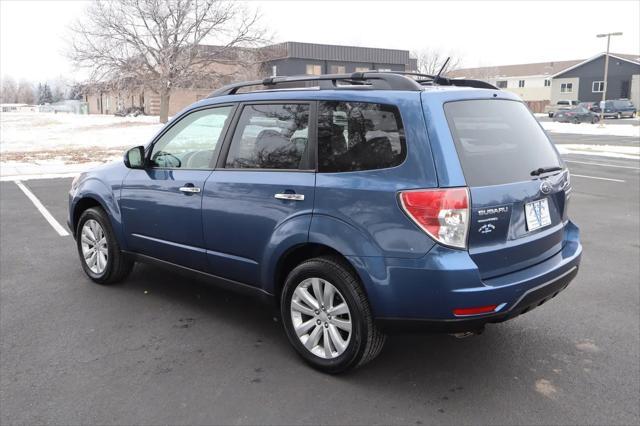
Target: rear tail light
[(441, 213)]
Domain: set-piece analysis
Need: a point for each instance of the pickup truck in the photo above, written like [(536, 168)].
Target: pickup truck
[(562, 104)]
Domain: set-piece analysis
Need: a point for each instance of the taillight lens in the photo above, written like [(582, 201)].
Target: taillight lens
[(441, 213)]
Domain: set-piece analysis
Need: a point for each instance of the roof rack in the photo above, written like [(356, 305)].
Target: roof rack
[(379, 80)]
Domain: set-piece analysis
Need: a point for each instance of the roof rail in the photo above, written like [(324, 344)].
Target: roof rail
[(443, 81), (380, 80)]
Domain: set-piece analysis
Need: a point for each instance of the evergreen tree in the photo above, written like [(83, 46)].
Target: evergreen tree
[(44, 94), (39, 94)]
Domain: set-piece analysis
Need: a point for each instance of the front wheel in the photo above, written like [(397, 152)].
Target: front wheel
[(99, 250), (327, 316)]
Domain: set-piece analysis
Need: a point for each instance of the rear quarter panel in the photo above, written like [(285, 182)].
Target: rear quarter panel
[(357, 213)]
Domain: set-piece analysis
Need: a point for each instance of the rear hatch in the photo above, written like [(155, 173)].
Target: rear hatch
[(516, 181)]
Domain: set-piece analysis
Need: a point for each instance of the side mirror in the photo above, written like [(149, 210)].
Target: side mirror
[(134, 158)]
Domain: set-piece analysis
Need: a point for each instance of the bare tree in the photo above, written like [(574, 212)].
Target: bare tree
[(160, 44), (431, 60), (9, 91), (25, 93)]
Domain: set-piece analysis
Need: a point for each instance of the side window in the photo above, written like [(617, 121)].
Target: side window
[(271, 136), (191, 142), (356, 136)]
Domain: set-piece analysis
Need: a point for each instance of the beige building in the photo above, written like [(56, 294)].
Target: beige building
[(532, 82), (110, 101)]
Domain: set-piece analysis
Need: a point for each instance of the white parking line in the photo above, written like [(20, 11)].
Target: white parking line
[(43, 210), (596, 177), (602, 164)]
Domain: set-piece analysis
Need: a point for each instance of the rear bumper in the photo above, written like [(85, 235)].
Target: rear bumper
[(528, 301), (410, 294)]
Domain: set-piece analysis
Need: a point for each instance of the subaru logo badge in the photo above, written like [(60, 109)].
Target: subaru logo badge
[(545, 187)]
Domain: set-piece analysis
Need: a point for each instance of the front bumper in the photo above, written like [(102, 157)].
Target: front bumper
[(422, 294)]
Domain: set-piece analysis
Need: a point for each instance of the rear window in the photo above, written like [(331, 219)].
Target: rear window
[(498, 141), (622, 104), (563, 102)]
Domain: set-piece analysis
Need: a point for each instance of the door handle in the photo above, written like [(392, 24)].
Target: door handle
[(290, 196), (189, 189)]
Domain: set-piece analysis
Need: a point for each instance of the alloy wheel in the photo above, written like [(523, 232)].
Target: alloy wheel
[(321, 318), (94, 246)]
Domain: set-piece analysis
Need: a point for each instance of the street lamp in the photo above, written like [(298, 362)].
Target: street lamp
[(606, 72)]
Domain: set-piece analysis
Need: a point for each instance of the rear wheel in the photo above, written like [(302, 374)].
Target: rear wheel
[(327, 316), (99, 250)]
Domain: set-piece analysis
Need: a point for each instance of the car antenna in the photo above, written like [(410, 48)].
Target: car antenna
[(446, 62)]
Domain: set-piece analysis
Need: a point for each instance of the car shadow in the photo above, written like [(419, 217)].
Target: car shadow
[(441, 367)]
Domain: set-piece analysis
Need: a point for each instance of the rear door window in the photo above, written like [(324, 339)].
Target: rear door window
[(498, 141), (357, 136)]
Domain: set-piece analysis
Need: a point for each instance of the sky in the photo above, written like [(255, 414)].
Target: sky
[(32, 33)]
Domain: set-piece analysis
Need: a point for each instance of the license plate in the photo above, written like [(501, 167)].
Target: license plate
[(537, 214)]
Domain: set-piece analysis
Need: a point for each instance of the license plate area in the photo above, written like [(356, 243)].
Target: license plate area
[(537, 214)]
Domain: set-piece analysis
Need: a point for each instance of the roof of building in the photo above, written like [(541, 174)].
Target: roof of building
[(293, 49), (537, 68), (634, 59)]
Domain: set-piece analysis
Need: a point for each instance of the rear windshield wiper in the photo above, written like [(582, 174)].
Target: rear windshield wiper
[(541, 170)]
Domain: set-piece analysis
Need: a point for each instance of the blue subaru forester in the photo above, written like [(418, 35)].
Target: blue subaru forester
[(356, 203)]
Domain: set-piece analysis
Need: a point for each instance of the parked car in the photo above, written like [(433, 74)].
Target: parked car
[(377, 202), (620, 108), (561, 105), (591, 106), (576, 115)]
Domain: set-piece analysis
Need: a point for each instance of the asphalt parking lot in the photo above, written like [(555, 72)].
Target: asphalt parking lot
[(164, 349)]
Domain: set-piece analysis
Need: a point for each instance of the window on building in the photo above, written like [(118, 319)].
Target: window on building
[(547, 83), (566, 87), (502, 84), (597, 87), (359, 136), (314, 69), (362, 69), (337, 69), (384, 69), (271, 137), (191, 142), (520, 83)]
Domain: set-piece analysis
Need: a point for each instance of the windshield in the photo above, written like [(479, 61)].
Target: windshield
[(498, 141)]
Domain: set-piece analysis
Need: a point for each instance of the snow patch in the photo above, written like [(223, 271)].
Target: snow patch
[(611, 151), (24, 132), (592, 129)]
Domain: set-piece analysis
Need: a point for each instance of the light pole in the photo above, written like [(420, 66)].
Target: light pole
[(606, 72)]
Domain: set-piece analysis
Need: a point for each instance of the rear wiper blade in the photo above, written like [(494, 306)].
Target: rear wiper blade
[(541, 170)]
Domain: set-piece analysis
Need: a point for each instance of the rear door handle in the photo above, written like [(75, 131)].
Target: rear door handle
[(289, 196), (189, 189)]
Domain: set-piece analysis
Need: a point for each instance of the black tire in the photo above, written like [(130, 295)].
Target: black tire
[(594, 120), (366, 340), (118, 265)]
